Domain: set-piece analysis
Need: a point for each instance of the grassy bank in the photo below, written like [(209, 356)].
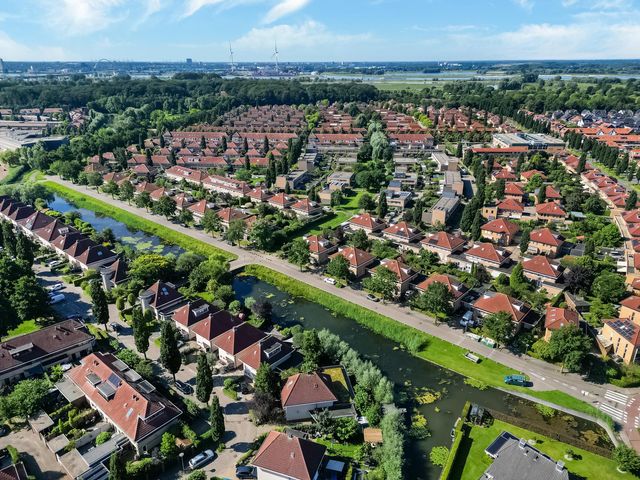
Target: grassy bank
[(13, 175), (471, 461), (419, 343), (134, 221)]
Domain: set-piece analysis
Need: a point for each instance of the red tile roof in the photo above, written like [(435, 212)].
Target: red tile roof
[(289, 456), (457, 288), (445, 240), (215, 325), (511, 205), (500, 225), (306, 388), (367, 221), (541, 265), (530, 173), (551, 209), (403, 230), (487, 251), (238, 338), (632, 302), (355, 256), (402, 271), (546, 237), (269, 350), (556, 318), (193, 312), (513, 188), (318, 244), (135, 413), (492, 302)]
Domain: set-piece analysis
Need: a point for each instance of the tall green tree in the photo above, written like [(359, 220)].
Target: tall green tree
[(383, 282), (631, 201), (169, 352), (24, 249), (382, 208), (436, 299), (117, 470), (498, 326), (476, 227), (143, 200), (235, 232), (204, 379), (100, 306), (525, 238), (211, 222), (141, 331), (570, 346), (165, 206), (298, 253), (338, 267), (216, 420), (266, 381)]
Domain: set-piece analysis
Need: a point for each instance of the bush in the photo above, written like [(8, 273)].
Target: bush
[(439, 456), (103, 437), (192, 407), (140, 469), (14, 454), (197, 475)]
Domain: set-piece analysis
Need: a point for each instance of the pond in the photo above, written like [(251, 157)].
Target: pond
[(413, 376), (137, 239)]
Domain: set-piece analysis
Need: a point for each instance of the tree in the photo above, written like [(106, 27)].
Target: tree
[(517, 281), (499, 188), (476, 227), (169, 353), (366, 203), (609, 287), (626, 458), (569, 345), (338, 267), (117, 470), (299, 252), (336, 198), (111, 188), (498, 326), (266, 381), (216, 420), (311, 349), (168, 447), (204, 379), (100, 306), (187, 262), (143, 200), (151, 267), (579, 278), (141, 331), (436, 299), (382, 208), (211, 222), (542, 194), (360, 240), (383, 282), (165, 206), (8, 239), (235, 232), (24, 248), (631, 201), (185, 216), (581, 163), (525, 238)]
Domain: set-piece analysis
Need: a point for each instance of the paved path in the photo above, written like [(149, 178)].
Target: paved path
[(545, 376)]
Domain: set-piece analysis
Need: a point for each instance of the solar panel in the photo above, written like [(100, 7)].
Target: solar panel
[(114, 380), (93, 378), (145, 387), (132, 376), (120, 365), (106, 390)]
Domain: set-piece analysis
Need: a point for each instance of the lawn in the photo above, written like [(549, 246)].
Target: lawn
[(419, 343), (338, 383), (25, 327), (134, 221), (471, 460), (345, 450), (14, 174)]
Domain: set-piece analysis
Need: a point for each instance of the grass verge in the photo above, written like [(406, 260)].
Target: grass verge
[(13, 175), (134, 221), (471, 461), (417, 342), (25, 327)]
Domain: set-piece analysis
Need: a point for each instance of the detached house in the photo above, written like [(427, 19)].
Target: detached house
[(404, 274), (544, 273), (500, 231), (320, 248), (305, 208), (556, 318), (125, 400), (443, 244), (359, 260), (458, 289), (162, 298), (366, 222), (488, 255), (493, 302), (402, 233), (287, 457), (304, 393), (546, 242), (550, 211)]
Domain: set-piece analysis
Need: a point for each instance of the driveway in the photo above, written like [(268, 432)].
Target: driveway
[(38, 459), (75, 301)]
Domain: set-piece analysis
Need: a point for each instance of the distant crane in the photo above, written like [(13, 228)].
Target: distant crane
[(233, 65), (275, 55)]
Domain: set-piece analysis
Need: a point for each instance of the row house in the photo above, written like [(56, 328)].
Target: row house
[(411, 142), (493, 302), (500, 231), (443, 244), (79, 250)]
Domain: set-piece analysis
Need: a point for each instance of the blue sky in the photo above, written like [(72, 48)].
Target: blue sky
[(310, 30)]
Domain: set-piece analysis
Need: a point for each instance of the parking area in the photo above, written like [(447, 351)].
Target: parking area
[(39, 461), (74, 303)]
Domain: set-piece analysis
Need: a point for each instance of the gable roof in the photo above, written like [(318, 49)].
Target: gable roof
[(556, 318), (487, 251), (494, 302), (290, 456), (444, 240), (546, 236), (193, 312), (238, 338), (269, 350), (550, 208), (500, 225), (632, 302), (541, 265), (355, 256), (215, 324)]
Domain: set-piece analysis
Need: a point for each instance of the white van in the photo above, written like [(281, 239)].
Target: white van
[(53, 299)]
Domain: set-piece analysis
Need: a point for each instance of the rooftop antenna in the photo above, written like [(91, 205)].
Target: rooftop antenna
[(275, 55), (233, 66)]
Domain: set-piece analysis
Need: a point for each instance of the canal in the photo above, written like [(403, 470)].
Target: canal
[(415, 377), (140, 241), (443, 392)]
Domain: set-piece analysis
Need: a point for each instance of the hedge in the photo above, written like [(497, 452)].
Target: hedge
[(460, 432)]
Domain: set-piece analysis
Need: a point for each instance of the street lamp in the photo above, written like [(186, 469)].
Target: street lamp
[(181, 455)]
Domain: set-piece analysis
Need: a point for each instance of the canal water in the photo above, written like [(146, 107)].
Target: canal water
[(140, 241), (414, 377)]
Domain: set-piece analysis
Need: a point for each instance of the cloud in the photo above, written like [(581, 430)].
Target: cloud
[(13, 50), (79, 17), (308, 39), (192, 6), (526, 4), (283, 8)]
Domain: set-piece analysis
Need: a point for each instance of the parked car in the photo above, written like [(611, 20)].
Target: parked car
[(467, 319), (54, 263), (520, 380), (201, 459), (329, 280), (372, 297), (57, 298), (4, 430), (246, 471), (115, 326), (55, 287), (184, 387)]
